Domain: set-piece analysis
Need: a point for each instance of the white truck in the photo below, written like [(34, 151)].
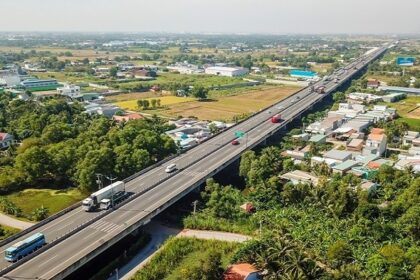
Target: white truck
[(105, 197)]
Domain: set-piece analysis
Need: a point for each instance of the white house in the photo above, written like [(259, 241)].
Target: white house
[(226, 71), (376, 142), (6, 140), (71, 91)]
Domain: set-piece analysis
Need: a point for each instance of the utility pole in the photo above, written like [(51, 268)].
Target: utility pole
[(246, 141), (99, 180), (195, 206)]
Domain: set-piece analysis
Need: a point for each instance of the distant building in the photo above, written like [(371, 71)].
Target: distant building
[(412, 162), (405, 61), (106, 110), (363, 97), (248, 207), (318, 139), (6, 140), (71, 91), (344, 167), (368, 186), (127, 117), (144, 73), (376, 142), (40, 85), (326, 126), (407, 90), (9, 78), (300, 177), (303, 74), (394, 97), (242, 271), (355, 145), (226, 71), (410, 136), (185, 68), (337, 155), (373, 83)]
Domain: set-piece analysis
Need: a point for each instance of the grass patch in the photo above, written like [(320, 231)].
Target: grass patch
[(409, 110), (413, 124), (164, 101), (55, 200), (180, 258), (6, 231), (203, 221)]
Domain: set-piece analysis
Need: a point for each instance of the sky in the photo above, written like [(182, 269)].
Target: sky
[(213, 16)]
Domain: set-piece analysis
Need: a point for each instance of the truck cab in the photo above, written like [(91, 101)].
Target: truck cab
[(87, 204), (276, 118)]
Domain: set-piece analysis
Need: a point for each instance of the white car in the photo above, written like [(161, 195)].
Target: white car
[(170, 168)]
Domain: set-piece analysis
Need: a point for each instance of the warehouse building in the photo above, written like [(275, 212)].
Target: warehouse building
[(40, 85), (226, 71)]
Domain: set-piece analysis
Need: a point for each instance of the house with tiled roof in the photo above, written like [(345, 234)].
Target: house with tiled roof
[(241, 271), (376, 142), (6, 140)]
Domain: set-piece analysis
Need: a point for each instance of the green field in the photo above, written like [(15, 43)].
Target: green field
[(55, 200), (409, 111), (7, 231), (181, 258)]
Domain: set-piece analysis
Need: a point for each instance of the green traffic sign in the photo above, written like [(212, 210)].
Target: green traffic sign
[(239, 134)]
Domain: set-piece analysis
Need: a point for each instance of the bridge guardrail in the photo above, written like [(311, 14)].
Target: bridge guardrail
[(39, 224)]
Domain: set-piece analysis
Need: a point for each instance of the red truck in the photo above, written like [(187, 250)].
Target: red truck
[(276, 118)]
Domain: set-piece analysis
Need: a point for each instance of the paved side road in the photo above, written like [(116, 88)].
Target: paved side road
[(160, 234), (216, 235), (12, 222)]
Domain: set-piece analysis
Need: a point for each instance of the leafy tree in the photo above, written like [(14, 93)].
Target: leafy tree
[(140, 103), (34, 163), (339, 96), (339, 253), (40, 213), (222, 202), (199, 92), (153, 103), (410, 221), (113, 71), (96, 161), (246, 160)]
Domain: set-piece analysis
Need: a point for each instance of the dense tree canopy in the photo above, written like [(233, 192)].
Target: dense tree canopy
[(62, 146)]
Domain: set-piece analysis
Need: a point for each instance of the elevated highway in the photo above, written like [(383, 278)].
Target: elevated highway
[(156, 190)]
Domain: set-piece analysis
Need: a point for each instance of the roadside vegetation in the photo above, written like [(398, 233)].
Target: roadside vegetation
[(62, 147), (330, 231), (189, 258), (29, 201), (6, 231)]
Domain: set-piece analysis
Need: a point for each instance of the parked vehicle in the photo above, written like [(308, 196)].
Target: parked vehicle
[(170, 168), (276, 118), (24, 247), (113, 192)]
